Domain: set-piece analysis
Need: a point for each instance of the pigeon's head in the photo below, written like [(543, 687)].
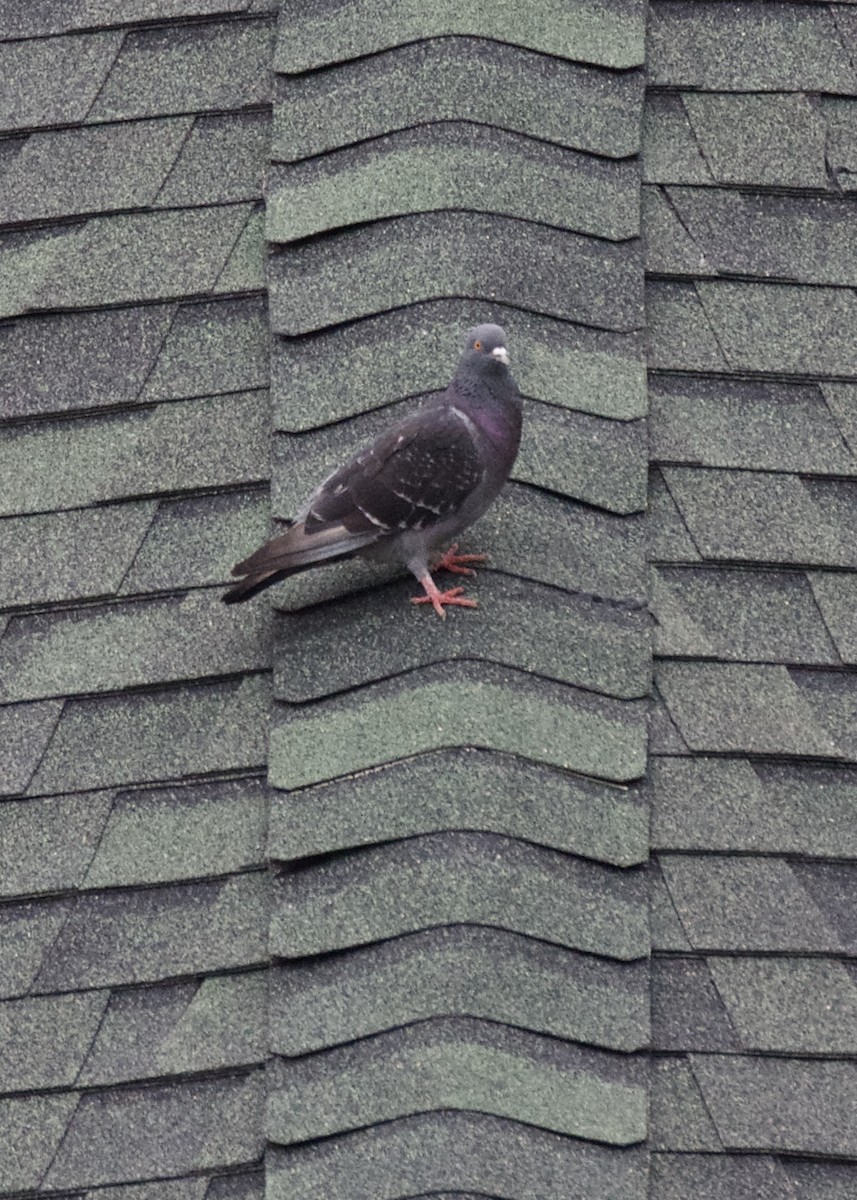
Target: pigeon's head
[(487, 343)]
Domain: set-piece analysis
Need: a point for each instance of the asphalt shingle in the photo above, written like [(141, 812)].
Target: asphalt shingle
[(70, 71), (454, 166), (43, 17), (449, 878), (459, 1064), (464, 789), (747, 1177), (448, 79), (32, 1128), (464, 971), (46, 1039), (485, 707), (48, 844), (25, 731), (559, 274)]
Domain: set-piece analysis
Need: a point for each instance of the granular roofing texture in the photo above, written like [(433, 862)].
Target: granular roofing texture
[(323, 898)]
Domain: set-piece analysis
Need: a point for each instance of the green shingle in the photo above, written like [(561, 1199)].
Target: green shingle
[(70, 72), (754, 904), (488, 974), (448, 79), (118, 259), (120, 1133), (132, 739), (191, 68), (773, 47), (733, 423), (454, 1152), (780, 1104), (680, 334), (70, 361), (70, 555), (744, 708), (168, 447), (463, 790), (216, 346), (181, 1028), (763, 808), (494, 709), (454, 166), (364, 366), (158, 835), (195, 541), (608, 34), (132, 644), (450, 879), (48, 844), (136, 936), (46, 1039), (738, 615), (363, 271), (222, 160), (456, 1065), (522, 625)]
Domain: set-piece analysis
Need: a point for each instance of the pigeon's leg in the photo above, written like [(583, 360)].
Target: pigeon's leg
[(452, 561), (436, 598)]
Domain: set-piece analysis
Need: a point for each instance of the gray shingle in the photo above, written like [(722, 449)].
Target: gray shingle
[(25, 731), (79, 360), (738, 615), (27, 931), (105, 167), (728, 47), (484, 707), (464, 971), (70, 71), (132, 644), (464, 789), (559, 274), (46, 1039), (195, 540), (836, 595), (315, 381), (144, 935), (743, 708), (118, 1134), (449, 879), (117, 259), (41, 17), (454, 1151), (840, 398), (458, 1064), (780, 1104), (222, 160), (158, 835), (758, 904), (688, 1012), (48, 844), (671, 153), (132, 739), (840, 115), (245, 268), (736, 805), (32, 1128), (752, 516), (215, 346), (668, 536), (679, 1119), (70, 555), (449, 78), (746, 1177), (735, 423), (190, 68), (179, 1028), (169, 447), (712, 231), (454, 165), (530, 627), (611, 35)]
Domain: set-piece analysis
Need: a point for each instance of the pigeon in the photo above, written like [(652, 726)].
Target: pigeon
[(414, 489)]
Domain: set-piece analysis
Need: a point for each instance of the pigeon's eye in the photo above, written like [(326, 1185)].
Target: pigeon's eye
[(477, 345)]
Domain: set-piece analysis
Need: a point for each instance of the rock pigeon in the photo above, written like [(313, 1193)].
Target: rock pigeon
[(414, 489)]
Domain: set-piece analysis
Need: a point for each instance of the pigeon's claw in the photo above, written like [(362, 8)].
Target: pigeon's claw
[(452, 561), (438, 599)]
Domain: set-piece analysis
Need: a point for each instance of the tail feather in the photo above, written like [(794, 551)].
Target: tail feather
[(291, 552)]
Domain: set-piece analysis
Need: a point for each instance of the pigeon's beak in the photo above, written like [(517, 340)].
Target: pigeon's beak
[(502, 353)]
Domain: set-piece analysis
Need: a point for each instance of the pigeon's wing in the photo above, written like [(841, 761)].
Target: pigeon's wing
[(415, 475)]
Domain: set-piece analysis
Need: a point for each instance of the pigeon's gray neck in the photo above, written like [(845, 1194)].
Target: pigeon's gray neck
[(490, 399)]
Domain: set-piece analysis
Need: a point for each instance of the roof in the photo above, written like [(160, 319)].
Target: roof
[(319, 896)]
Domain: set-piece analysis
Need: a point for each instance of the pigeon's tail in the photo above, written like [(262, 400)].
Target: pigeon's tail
[(291, 552)]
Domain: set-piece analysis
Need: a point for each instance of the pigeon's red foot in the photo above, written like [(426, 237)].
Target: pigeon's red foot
[(452, 561), (437, 599)]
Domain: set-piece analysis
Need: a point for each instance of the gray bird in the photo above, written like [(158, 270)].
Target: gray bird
[(414, 489)]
